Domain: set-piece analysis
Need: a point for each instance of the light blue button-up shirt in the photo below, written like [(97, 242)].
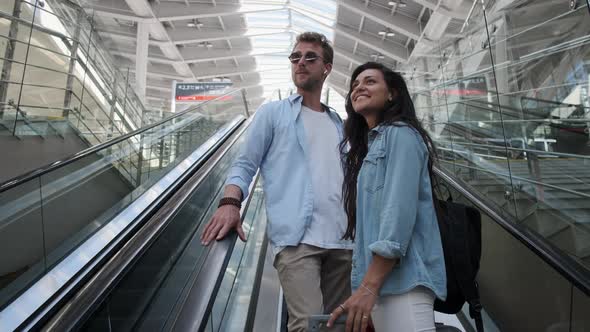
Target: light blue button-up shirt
[(276, 142), (395, 213)]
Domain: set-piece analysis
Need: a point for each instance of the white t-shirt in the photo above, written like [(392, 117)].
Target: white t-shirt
[(328, 222)]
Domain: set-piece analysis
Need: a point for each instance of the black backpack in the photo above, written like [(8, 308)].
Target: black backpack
[(460, 231)]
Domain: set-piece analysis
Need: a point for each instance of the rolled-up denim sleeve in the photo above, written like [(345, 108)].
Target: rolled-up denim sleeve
[(252, 152), (404, 161)]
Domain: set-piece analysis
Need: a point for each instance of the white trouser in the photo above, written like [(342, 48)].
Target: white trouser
[(411, 311)]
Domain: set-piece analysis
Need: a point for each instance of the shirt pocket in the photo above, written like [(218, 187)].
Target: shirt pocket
[(374, 171), (284, 139)]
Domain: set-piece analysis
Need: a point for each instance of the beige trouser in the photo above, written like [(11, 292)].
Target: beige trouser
[(314, 280)]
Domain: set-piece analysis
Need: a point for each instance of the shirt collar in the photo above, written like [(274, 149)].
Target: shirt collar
[(379, 128), (297, 98), (294, 96), (373, 133)]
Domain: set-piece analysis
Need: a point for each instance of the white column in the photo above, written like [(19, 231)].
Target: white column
[(141, 57)]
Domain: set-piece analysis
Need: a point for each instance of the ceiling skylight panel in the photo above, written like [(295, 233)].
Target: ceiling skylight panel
[(264, 2), (275, 72), (303, 15), (261, 7), (322, 14), (326, 6), (275, 42), (274, 19), (303, 23), (266, 31), (274, 60), (326, 9)]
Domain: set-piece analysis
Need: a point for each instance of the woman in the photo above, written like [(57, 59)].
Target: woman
[(398, 265)]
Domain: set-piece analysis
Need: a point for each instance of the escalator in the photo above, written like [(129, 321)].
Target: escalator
[(155, 275), (164, 279), (67, 219), (178, 285)]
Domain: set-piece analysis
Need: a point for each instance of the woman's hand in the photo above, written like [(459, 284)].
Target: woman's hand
[(359, 305), (358, 309)]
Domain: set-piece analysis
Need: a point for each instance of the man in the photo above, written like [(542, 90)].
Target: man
[(294, 142)]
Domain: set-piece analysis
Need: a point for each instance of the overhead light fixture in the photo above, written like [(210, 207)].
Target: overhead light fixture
[(377, 56), (399, 3), (194, 24), (205, 44), (387, 33)]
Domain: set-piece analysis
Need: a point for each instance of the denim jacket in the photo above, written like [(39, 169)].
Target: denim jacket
[(395, 213), (276, 142)]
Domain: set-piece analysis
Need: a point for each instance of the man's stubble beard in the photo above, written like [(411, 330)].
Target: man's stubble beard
[(309, 84)]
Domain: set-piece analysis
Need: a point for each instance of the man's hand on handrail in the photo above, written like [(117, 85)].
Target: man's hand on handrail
[(226, 218)]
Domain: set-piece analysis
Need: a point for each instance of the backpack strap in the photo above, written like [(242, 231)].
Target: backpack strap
[(475, 313), (462, 262)]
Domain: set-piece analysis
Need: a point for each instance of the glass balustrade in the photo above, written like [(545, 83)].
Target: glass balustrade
[(58, 75), (505, 95), (46, 218)]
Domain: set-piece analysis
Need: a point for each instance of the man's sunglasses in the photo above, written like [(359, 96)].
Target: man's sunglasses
[(309, 57)]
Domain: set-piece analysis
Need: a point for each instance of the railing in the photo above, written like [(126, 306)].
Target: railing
[(12, 124), (508, 148), (511, 116), (526, 274), (66, 74), (58, 207), (547, 191), (466, 155), (202, 278), (145, 247)]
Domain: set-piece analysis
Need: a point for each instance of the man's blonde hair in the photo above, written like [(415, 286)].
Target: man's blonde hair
[(318, 38)]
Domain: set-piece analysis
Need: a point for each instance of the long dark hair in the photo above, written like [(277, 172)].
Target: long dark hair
[(354, 146)]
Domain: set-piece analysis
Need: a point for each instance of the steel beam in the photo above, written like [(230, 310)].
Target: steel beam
[(400, 23)]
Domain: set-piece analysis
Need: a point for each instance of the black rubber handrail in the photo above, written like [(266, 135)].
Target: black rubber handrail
[(14, 182), (563, 264)]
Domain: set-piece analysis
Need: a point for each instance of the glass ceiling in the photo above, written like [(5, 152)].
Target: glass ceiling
[(272, 49)]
